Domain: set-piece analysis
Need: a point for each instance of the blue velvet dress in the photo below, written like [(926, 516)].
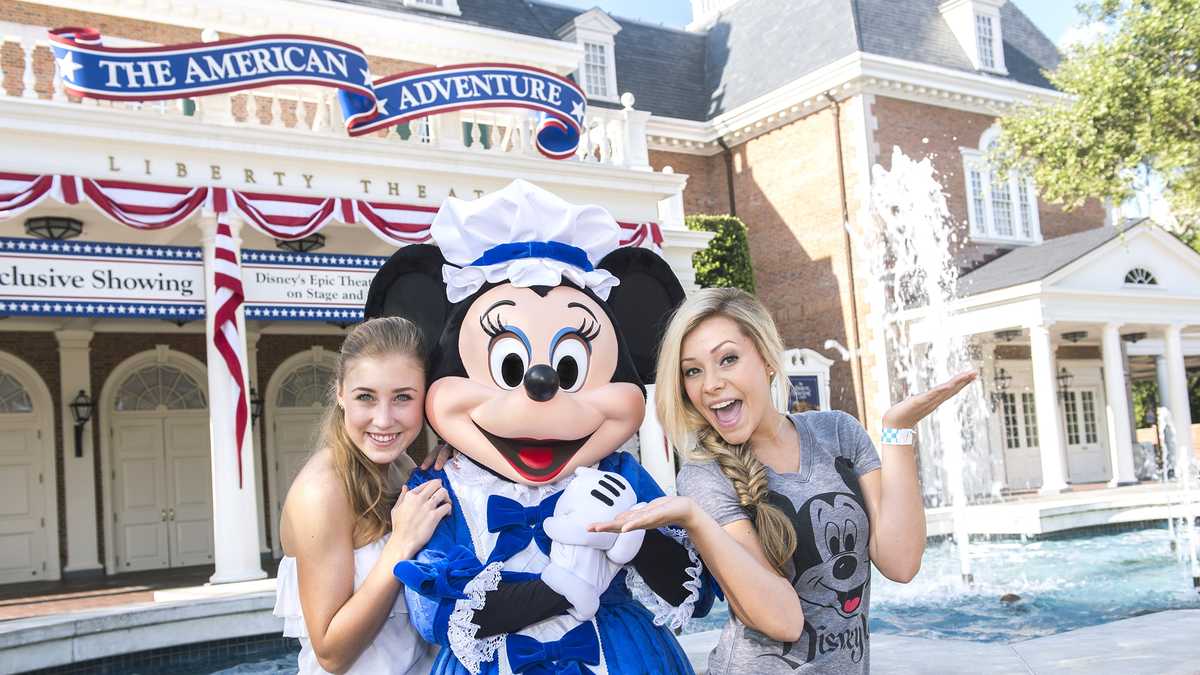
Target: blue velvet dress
[(494, 535)]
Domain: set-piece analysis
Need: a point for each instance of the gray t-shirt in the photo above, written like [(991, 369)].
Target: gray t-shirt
[(831, 568)]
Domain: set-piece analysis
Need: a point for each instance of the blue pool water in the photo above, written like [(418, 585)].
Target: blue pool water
[(1063, 584)]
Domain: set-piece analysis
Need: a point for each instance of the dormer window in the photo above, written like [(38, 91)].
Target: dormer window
[(1140, 276), (595, 32), (440, 6), (1000, 208), (976, 26)]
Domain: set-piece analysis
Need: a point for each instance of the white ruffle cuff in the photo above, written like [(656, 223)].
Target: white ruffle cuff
[(666, 614), (462, 629)]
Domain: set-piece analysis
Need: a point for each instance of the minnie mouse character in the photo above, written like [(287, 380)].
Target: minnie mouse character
[(543, 332)]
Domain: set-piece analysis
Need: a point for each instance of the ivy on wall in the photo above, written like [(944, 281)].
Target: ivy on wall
[(726, 261)]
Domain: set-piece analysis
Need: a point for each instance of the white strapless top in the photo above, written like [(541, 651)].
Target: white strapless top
[(397, 648)]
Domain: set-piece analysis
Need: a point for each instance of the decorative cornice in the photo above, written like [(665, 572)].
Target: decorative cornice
[(854, 74)]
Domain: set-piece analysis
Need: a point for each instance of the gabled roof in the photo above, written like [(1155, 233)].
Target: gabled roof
[(757, 46), (1035, 263)]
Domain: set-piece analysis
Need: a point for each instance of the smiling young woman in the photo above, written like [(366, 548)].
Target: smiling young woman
[(789, 512), (347, 521)]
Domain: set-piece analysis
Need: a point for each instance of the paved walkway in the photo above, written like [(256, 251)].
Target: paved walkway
[(1164, 643)]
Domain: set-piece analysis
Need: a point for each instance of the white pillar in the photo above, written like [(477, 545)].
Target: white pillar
[(1177, 398), (235, 508), (79, 474), (256, 436), (655, 453), (1045, 394), (1120, 437), (1160, 377)]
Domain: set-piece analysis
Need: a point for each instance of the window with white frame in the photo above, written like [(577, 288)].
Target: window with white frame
[(595, 70), (1001, 208), (985, 41), (1140, 276)]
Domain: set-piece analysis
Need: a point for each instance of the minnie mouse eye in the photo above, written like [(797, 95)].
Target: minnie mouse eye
[(570, 361), (508, 362)]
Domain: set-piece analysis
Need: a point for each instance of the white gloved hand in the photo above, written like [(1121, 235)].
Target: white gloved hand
[(582, 563)]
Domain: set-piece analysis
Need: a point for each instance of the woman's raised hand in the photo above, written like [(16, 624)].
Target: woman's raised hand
[(437, 457), (907, 413), (415, 515), (678, 511)]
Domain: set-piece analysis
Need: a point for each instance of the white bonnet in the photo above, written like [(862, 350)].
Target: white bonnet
[(525, 235)]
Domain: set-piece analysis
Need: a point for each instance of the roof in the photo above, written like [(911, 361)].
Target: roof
[(1035, 263), (757, 46)]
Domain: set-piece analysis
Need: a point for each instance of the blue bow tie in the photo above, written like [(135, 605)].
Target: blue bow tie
[(559, 657), (518, 524)]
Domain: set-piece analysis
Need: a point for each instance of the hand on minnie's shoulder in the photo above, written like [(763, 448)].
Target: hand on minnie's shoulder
[(415, 516), (437, 457)]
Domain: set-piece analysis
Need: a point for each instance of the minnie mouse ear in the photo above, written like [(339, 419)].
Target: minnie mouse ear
[(642, 303), (410, 285)]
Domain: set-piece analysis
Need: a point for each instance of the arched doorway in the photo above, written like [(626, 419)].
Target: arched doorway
[(296, 400), (161, 469), (28, 513)]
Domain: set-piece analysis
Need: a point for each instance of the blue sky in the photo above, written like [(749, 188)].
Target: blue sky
[(1054, 17)]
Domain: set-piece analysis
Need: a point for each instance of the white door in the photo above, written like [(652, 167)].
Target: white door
[(1022, 455), (189, 489), (295, 419), (140, 492), (1087, 456), (23, 534)]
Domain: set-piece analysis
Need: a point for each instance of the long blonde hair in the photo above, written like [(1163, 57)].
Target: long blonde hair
[(690, 433), (365, 482)]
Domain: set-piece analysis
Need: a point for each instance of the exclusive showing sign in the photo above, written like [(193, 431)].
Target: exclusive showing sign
[(104, 279)]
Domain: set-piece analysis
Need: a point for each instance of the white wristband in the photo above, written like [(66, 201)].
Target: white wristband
[(896, 436)]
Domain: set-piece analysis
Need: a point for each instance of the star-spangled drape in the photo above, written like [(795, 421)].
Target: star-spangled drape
[(228, 297)]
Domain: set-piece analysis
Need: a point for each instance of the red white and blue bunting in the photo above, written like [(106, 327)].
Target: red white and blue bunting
[(89, 69)]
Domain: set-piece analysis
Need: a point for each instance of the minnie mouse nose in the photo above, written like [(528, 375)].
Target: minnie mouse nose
[(541, 383)]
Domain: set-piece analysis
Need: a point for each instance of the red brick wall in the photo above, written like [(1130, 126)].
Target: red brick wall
[(39, 351), (706, 191), (922, 130)]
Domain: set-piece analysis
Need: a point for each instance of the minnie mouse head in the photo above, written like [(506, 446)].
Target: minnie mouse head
[(543, 330)]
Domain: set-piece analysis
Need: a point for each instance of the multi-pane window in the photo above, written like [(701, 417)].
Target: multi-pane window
[(1029, 413), (1087, 400), (985, 41), (1071, 413), (13, 397), (595, 69), (1001, 207), (1012, 432), (1140, 276)]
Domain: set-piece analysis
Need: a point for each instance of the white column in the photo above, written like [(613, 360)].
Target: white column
[(1045, 394), (1177, 398), (1120, 437), (1160, 376), (655, 453), (235, 508), (256, 435), (79, 473)]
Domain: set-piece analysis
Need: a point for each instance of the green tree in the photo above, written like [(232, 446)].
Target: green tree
[(726, 260), (1133, 108)]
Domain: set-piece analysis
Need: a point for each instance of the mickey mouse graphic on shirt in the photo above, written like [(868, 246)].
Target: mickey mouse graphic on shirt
[(831, 567), (542, 333)]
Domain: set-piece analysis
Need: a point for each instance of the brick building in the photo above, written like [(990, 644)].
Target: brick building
[(776, 112)]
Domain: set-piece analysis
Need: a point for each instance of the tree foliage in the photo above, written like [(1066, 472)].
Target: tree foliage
[(726, 261), (1133, 107)]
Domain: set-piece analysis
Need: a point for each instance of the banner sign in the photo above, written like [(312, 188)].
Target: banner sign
[(283, 286), (89, 69), (97, 279), (804, 394)]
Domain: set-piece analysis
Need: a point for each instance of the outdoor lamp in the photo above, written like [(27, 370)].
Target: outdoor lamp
[(1134, 338), (1075, 336), (53, 227), (256, 405), (1000, 381), (1007, 335), (1064, 378), (305, 245), (81, 410)]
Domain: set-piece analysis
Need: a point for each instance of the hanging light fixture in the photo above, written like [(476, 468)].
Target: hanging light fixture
[(1000, 383), (256, 406), (1074, 336), (1007, 335), (1064, 378), (53, 227), (1134, 338), (306, 245)]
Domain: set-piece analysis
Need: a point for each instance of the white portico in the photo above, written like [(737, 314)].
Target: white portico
[(1056, 323)]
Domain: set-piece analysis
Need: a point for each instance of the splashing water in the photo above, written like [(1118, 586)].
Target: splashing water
[(913, 253)]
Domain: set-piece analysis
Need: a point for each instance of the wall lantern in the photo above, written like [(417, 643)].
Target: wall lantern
[(256, 405), (1134, 338), (53, 227), (81, 410), (1064, 378), (1000, 382), (306, 245), (1007, 335), (1074, 336)]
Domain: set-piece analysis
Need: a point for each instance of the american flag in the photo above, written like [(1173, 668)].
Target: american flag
[(227, 280)]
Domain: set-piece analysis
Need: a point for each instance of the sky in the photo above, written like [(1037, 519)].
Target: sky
[(1054, 17)]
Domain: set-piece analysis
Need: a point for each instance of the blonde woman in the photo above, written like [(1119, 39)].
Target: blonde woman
[(347, 521), (789, 512)]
